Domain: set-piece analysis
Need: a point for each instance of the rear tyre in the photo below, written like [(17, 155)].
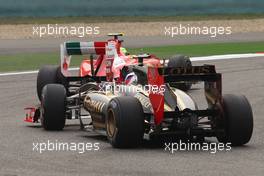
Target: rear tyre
[(49, 75), (180, 61), (238, 120), (53, 107), (125, 122)]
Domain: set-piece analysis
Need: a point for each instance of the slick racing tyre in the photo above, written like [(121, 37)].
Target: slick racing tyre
[(53, 107), (180, 61), (125, 122), (238, 120), (49, 75)]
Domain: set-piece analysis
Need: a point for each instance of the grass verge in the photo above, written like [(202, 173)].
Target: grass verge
[(20, 62)]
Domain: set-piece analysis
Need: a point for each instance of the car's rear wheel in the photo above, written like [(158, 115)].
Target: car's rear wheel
[(125, 122), (53, 107), (237, 121), (49, 75), (180, 61)]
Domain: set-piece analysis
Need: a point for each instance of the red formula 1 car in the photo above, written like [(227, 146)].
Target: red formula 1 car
[(96, 66)]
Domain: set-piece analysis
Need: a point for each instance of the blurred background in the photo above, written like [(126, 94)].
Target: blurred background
[(62, 8)]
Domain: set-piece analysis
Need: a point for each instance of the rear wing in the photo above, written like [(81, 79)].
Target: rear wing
[(204, 73), (110, 48), (159, 76), (67, 49)]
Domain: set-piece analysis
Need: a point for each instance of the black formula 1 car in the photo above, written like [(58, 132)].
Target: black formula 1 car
[(151, 106)]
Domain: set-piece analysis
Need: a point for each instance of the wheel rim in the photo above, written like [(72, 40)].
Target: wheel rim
[(111, 123)]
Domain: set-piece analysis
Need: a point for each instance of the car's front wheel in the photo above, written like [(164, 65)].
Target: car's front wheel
[(53, 107)]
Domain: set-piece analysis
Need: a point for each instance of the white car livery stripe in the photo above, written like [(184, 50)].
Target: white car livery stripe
[(87, 47)]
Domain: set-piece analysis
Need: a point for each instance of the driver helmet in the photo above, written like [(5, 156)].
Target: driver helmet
[(131, 78)]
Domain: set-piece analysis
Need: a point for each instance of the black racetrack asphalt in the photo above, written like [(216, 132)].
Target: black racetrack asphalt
[(17, 138)]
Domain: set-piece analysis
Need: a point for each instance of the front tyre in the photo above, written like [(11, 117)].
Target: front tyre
[(238, 120), (125, 122), (53, 107)]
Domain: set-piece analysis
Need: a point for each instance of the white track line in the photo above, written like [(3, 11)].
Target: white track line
[(204, 58), (228, 56), (18, 73), (27, 72)]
